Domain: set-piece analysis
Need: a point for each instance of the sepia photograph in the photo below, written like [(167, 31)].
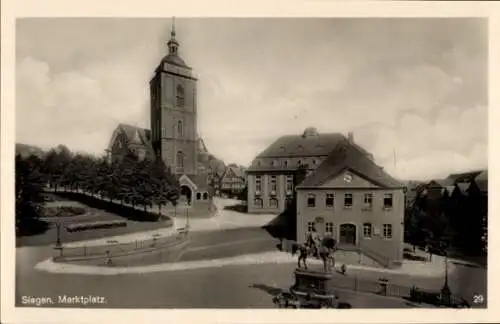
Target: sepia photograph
[(251, 163)]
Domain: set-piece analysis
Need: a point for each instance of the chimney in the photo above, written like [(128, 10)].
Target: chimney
[(350, 137)]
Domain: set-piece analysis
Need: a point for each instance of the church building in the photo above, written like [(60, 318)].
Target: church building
[(173, 135)]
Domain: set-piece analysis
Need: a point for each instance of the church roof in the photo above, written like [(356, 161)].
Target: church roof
[(347, 155), (175, 60), (131, 133)]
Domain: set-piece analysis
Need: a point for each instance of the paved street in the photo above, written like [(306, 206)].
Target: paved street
[(212, 287), (228, 287)]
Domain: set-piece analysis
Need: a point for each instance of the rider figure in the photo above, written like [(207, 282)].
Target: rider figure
[(314, 240)]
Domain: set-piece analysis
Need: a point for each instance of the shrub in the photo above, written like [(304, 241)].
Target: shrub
[(421, 296), (63, 211), (413, 257), (95, 225)]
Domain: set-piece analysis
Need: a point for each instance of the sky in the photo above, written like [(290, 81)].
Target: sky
[(413, 91)]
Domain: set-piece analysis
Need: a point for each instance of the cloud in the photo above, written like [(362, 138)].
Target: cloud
[(417, 87)]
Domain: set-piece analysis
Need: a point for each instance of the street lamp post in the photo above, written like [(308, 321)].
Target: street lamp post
[(58, 228), (187, 219), (445, 291)]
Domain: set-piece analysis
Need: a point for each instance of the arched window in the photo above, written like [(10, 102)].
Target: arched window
[(180, 159), (180, 96), (205, 196), (198, 195), (179, 128)]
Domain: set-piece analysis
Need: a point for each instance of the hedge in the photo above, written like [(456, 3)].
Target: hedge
[(63, 211), (95, 225)]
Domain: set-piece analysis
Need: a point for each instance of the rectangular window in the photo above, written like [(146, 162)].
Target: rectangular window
[(289, 185), (368, 200), (311, 200), (258, 184), (329, 200), (258, 202), (388, 200), (329, 228), (387, 231), (367, 230), (273, 184), (310, 226), (348, 200)]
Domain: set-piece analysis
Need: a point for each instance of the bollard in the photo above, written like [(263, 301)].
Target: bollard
[(109, 262)]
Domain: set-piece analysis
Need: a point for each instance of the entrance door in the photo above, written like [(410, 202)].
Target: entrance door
[(348, 234)]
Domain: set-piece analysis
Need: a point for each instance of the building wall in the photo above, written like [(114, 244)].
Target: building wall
[(357, 215), (266, 194), (166, 114)]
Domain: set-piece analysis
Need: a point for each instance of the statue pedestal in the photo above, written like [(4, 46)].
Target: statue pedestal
[(313, 282)]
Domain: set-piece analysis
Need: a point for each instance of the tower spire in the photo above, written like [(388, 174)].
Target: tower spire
[(172, 32), (172, 43)]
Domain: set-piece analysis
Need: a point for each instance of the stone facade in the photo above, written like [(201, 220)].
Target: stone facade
[(173, 135), (355, 212), (273, 170)]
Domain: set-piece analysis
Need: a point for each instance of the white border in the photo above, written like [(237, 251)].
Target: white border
[(12, 9)]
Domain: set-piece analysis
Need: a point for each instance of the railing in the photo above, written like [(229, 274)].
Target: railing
[(371, 286), (114, 248)]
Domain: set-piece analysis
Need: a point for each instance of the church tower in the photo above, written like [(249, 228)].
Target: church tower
[(174, 111)]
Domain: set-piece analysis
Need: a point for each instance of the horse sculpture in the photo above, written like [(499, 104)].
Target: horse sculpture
[(323, 250)]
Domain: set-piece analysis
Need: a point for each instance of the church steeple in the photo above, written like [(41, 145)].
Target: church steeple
[(173, 45)]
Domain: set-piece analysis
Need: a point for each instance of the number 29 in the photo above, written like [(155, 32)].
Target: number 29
[(477, 299)]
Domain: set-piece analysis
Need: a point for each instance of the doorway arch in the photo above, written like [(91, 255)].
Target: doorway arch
[(347, 234)]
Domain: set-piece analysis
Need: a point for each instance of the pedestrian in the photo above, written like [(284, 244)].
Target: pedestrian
[(343, 269)]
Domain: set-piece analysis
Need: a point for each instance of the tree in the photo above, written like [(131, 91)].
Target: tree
[(164, 186), (55, 164), (29, 185), (127, 171)]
